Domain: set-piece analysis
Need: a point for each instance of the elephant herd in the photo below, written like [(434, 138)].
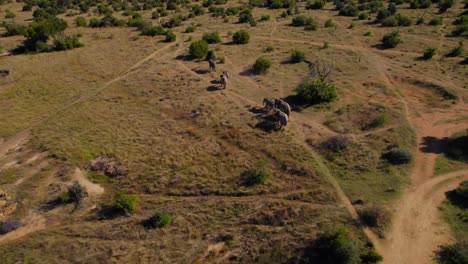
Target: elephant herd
[(281, 107)]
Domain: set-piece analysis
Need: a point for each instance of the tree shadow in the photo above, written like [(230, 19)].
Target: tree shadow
[(433, 145), (457, 199), (109, 213), (248, 72), (183, 57), (297, 103), (258, 110), (267, 122)]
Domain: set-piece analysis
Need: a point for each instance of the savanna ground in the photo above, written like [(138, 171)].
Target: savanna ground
[(131, 96)]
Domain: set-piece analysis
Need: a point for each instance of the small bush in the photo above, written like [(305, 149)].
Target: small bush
[(261, 65), (148, 30), (265, 18), (363, 16), (326, 45), (375, 216), (317, 4), (80, 22), (316, 92), (349, 10), (198, 49), (368, 33), (336, 144), (159, 220), (245, 16), (67, 43), (453, 254), (337, 248), (398, 156), (429, 53), (124, 203), (170, 36), (299, 21), (391, 40), (256, 176), (14, 30), (241, 37), (352, 25), (74, 194), (444, 5), (380, 120), (330, 23), (457, 51), (297, 56), (210, 55), (436, 21), (212, 37), (269, 48)]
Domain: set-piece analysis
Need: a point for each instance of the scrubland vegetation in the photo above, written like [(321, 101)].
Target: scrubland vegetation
[(134, 154)]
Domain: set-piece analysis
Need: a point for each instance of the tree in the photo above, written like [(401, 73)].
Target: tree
[(391, 40), (38, 33), (80, 22), (317, 88), (198, 49), (241, 37)]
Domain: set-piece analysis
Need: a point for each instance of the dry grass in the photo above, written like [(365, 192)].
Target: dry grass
[(99, 99)]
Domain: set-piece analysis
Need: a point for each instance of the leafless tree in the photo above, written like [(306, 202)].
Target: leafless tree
[(320, 70)]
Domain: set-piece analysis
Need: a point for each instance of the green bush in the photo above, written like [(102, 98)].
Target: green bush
[(457, 147), (245, 16), (256, 176), (67, 43), (14, 29), (80, 22), (398, 156), (170, 36), (349, 10), (212, 37), (74, 194), (210, 55), (391, 40), (149, 30), (379, 121), (301, 21), (429, 53), (316, 92), (241, 37), (261, 65), (453, 254), (317, 4), (198, 49), (265, 18), (420, 4), (297, 56), (363, 16), (457, 51), (124, 203), (330, 23), (159, 220), (444, 5), (436, 21), (336, 248)]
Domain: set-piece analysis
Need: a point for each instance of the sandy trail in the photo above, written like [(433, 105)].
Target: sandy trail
[(13, 142), (91, 188)]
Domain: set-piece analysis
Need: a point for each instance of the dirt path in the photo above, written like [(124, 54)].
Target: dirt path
[(13, 142), (91, 188)]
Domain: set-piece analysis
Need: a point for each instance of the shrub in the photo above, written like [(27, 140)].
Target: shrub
[(460, 29), (269, 48), (80, 22), (74, 194), (462, 190), (457, 51), (211, 37), (198, 10), (170, 36), (330, 23), (241, 37), (444, 5), (463, 19), (311, 24), (335, 248), (253, 23), (256, 176), (299, 21), (391, 40), (317, 4), (265, 18), (245, 16), (316, 92), (363, 16), (429, 53), (352, 25), (210, 55), (67, 43), (453, 254), (261, 65), (379, 121), (368, 33), (9, 14), (336, 144), (159, 220), (198, 49), (14, 29), (326, 44), (124, 203), (375, 216), (349, 10), (436, 21), (148, 30), (398, 156), (457, 147), (415, 4), (297, 56), (371, 256)]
